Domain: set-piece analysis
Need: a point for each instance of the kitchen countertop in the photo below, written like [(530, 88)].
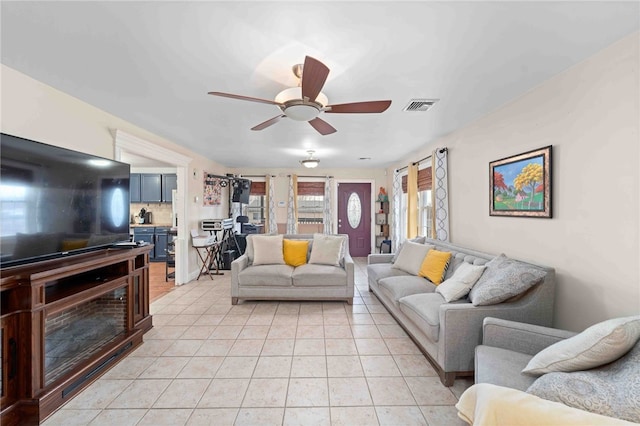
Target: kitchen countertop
[(147, 225)]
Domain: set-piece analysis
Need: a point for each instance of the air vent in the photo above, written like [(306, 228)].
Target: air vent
[(420, 104)]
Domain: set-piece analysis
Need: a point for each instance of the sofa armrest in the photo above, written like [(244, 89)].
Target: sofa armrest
[(237, 266), (379, 258), (461, 329), (520, 337), (350, 268)]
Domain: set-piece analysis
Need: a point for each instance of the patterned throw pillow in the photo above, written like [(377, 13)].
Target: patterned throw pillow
[(612, 390), (599, 344), (503, 279)]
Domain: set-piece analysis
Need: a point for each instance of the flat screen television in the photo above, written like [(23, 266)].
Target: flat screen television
[(56, 202)]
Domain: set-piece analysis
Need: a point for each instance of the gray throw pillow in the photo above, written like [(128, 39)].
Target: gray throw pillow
[(419, 240), (503, 279), (612, 390)]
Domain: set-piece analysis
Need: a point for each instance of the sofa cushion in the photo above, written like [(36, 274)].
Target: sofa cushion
[(459, 285), (411, 256), (503, 279), (599, 344), (395, 288), (612, 390), (327, 249), (434, 266), (378, 271), (249, 249), (424, 311), (502, 367), (311, 275), (295, 252), (266, 275)]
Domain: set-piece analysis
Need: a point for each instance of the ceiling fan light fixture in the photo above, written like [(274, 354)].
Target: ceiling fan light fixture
[(296, 108), (310, 162)]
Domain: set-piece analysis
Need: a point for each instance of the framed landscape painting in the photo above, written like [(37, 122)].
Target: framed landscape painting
[(521, 185)]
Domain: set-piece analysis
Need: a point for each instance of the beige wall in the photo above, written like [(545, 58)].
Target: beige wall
[(33, 110), (590, 115)]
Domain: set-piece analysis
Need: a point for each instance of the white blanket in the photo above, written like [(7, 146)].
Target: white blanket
[(488, 405)]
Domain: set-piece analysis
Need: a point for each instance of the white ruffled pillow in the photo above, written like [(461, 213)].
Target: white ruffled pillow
[(599, 344), (461, 282)]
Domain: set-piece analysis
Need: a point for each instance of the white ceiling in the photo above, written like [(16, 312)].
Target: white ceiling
[(152, 63)]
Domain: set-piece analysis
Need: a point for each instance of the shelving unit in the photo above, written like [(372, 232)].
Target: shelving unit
[(382, 223), (64, 322)]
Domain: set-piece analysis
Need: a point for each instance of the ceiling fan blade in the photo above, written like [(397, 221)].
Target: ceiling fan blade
[(244, 98), (268, 123), (314, 74), (322, 126), (359, 107)]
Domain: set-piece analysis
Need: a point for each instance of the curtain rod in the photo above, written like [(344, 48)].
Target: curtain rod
[(303, 176), (218, 176), (421, 160), (256, 176)]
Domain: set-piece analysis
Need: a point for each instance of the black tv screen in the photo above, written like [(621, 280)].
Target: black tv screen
[(56, 202)]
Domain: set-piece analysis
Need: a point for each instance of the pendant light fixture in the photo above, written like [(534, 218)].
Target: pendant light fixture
[(310, 162)]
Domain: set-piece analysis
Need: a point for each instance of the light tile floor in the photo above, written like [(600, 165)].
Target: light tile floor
[(207, 362)]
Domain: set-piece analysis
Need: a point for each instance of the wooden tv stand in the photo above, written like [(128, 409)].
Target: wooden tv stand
[(65, 322)]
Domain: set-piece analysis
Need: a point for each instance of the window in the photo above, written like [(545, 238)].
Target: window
[(255, 210), (424, 204), (310, 202)]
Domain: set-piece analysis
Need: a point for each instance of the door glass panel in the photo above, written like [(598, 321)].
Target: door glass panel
[(354, 210)]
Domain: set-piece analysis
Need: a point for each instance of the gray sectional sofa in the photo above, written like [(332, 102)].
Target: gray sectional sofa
[(284, 282), (447, 333)]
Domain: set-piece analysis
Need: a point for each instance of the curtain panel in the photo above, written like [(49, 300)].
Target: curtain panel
[(327, 214), (395, 213), (440, 194), (412, 201), (270, 211), (292, 205)]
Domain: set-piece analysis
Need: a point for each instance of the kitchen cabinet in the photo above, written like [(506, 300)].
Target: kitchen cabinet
[(134, 187), (156, 235), (169, 183), (152, 187)]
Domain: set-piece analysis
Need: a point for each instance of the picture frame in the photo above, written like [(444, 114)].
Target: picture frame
[(520, 185)]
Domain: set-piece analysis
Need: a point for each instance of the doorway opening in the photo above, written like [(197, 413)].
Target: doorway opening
[(126, 144)]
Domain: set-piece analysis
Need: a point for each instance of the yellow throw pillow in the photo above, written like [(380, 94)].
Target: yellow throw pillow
[(295, 252), (434, 266)]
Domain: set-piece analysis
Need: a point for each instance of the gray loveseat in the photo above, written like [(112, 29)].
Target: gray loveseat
[(607, 394), (447, 333), (284, 282)]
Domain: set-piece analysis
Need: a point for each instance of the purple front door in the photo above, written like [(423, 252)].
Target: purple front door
[(354, 216)]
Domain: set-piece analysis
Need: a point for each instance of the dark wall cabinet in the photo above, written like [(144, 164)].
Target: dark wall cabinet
[(152, 188), (156, 235), (134, 187)]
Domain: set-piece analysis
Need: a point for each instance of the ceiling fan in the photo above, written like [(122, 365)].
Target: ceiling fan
[(306, 102)]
